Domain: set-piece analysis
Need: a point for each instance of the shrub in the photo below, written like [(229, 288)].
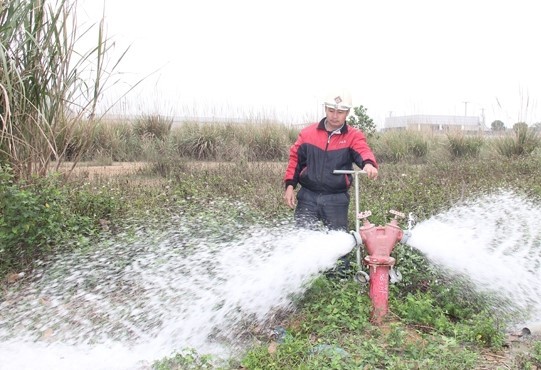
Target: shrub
[(462, 146), (361, 120), (236, 143), (524, 141), (34, 220), (396, 146), (153, 127), (165, 161), (116, 140), (481, 329), (40, 218), (268, 143), (331, 308), (197, 141)]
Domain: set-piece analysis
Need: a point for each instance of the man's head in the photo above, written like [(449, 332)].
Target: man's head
[(337, 106)]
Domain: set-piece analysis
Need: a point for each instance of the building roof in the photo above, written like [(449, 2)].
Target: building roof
[(404, 121)]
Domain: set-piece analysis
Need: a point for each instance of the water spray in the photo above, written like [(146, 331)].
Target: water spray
[(131, 300), (380, 242)]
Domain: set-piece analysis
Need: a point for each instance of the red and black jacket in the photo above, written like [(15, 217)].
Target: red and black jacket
[(317, 153)]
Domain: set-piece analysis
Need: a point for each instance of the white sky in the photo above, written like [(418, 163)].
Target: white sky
[(277, 58)]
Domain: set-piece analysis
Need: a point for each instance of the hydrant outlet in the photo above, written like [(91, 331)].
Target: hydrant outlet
[(357, 238), (362, 277), (405, 237)]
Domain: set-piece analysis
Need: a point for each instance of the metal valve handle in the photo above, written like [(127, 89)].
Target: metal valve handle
[(364, 215)]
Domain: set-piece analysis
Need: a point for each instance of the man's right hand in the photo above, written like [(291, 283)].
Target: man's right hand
[(371, 171), (289, 197)]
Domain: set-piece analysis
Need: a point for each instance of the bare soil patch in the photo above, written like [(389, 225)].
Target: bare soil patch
[(92, 170)]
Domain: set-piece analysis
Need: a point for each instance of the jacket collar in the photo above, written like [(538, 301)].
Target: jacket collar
[(342, 130)]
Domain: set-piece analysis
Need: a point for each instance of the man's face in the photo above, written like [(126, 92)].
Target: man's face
[(335, 117)]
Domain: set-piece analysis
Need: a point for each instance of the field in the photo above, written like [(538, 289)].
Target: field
[(444, 327), (144, 172)]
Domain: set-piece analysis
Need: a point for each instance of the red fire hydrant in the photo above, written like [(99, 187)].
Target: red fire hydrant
[(379, 242)]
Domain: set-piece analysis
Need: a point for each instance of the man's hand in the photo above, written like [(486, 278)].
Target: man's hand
[(289, 196), (371, 171)]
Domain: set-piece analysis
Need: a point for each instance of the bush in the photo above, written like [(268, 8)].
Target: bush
[(200, 142), (331, 308), (115, 140), (268, 143), (462, 146), (481, 329), (153, 127), (34, 221), (232, 143), (524, 141), (396, 146), (41, 218)]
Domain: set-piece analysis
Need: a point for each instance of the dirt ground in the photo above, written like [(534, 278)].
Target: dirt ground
[(92, 170)]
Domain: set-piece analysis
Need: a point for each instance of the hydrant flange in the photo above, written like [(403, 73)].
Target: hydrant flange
[(379, 261)]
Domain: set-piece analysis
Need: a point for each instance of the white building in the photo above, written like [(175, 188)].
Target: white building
[(420, 122)]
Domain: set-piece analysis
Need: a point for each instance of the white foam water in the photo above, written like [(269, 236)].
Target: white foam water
[(495, 242), (123, 306)]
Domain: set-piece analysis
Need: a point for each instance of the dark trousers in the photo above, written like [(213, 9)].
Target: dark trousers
[(331, 209)]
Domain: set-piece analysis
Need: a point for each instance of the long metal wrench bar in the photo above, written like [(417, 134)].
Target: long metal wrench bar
[(355, 174)]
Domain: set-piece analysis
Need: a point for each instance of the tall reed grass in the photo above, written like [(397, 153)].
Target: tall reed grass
[(231, 142), (47, 103), (397, 146), (155, 140), (523, 142), (464, 146)]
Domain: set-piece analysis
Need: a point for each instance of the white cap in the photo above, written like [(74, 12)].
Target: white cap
[(340, 100)]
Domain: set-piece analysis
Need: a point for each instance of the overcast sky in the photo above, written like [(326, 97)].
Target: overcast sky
[(277, 58)]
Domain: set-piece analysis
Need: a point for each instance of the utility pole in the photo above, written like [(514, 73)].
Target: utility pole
[(466, 108), (483, 116)]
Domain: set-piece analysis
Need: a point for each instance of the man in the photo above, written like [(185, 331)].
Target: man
[(320, 149)]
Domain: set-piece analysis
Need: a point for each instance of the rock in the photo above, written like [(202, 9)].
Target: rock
[(273, 347), (13, 278), (279, 334)]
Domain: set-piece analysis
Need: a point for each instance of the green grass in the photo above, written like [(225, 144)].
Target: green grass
[(435, 322), (46, 102)]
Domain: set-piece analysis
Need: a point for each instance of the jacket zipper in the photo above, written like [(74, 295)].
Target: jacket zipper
[(329, 136)]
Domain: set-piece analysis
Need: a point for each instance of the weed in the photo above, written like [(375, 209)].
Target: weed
[(34, 220), (188, 359), (460, 145), (330, 314), (529, 360), (154, 127), (397, 146), (481, 329), (523, 143), (441, 322)]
